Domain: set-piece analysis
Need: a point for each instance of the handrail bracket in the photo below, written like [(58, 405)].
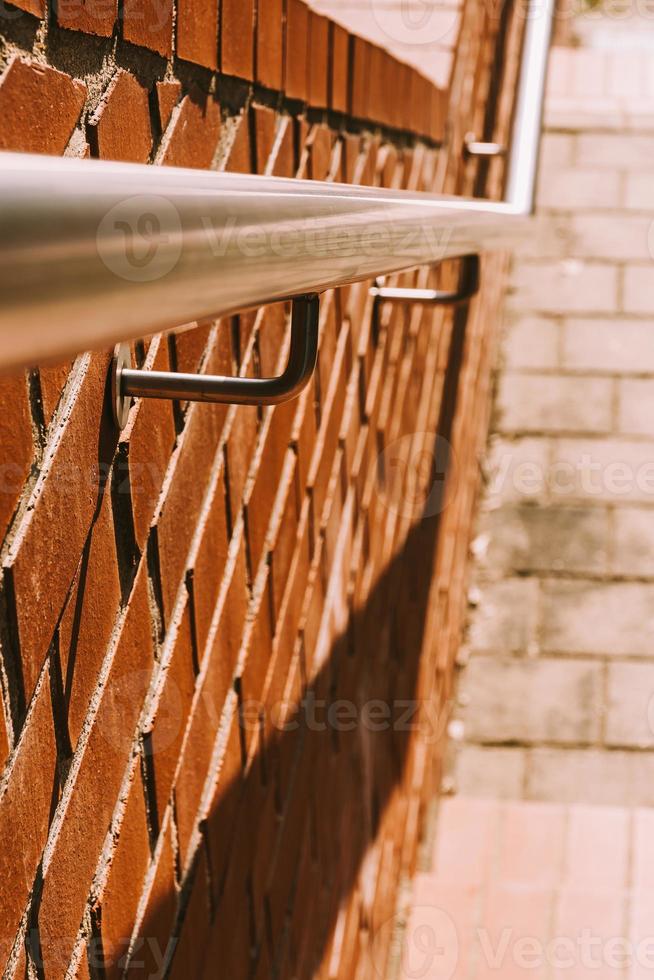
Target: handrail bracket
[(128, 383)]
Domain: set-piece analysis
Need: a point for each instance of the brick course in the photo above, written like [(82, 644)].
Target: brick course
[(181, 601)]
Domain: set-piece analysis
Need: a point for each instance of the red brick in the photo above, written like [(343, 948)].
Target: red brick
[(284, 164), (145, 446), (265, 124), (191, 346), (52, 381), (39, 107), (122, 890), (269, 42), (44, 555), (168, 94), (36, 7), (224, 805), (4, 741), (193, 140), (321, 140), (173, 710), (189, 954), (73, 859), (378, 100), (154, 934), (120, 128), (88, 618), (240, 445), (340, 68), (297, 39), (209, 707), (197, 32), (150, 24), (209, 561), (25, 810), (239, 158), (360, 87), (17, 445), (184, 488), (272, 334), (318, 61), (90, 16), (264, 489), (237, 38), (257, 661)]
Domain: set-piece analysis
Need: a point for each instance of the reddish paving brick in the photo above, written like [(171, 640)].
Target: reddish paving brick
[(39, 107), (531, 845), (467, 832), (643, 850), (120, 129), (597, 847), (512, 915)]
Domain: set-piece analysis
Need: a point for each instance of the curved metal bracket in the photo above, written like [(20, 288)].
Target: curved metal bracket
[(128, 382), (482, 148), (468, 287)]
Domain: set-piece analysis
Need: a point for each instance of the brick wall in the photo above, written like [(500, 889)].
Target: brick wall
[(194, 612)]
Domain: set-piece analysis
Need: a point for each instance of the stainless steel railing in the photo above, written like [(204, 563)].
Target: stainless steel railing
[(95, 253)]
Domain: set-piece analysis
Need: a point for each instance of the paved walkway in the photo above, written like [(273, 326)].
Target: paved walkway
[(544, 860)]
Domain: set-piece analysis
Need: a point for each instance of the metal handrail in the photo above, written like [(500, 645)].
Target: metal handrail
[(95, 253)]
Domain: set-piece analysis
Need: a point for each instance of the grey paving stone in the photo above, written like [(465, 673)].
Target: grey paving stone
[(611, 618), (633, 541), (630, 714), (546, 403), (506, 618), (517, 470), (531, 342), (613, 345), (591, 776), (548, 539), (487, 772), (636, 406), (612, 470), (531, 701), (566, 286)]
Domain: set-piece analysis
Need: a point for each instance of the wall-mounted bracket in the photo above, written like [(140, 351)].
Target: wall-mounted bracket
[(468, 287), (479, 148), (128, 383)]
